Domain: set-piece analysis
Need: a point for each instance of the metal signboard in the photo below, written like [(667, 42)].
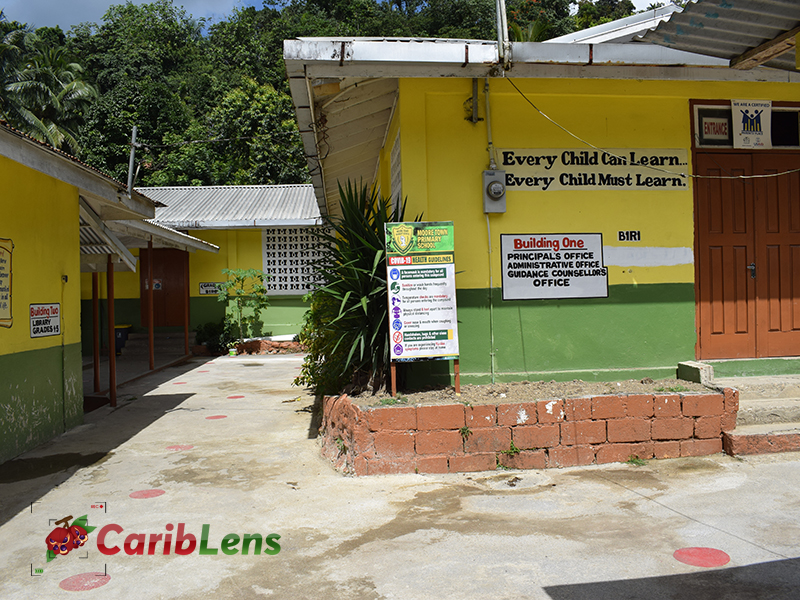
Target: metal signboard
[(420, 275)]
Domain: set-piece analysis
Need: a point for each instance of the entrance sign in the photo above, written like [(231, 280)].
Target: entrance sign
[(555, 169), (421, 278), (45, 320), (752, 123), (6, 249), (558, 265)]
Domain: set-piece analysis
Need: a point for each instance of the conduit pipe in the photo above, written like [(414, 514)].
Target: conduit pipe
[(492, 166)]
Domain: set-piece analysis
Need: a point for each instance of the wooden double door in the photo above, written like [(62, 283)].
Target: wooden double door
[(748, 255)]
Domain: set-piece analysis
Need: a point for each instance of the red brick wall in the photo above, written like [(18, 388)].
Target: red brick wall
[(548, 433)]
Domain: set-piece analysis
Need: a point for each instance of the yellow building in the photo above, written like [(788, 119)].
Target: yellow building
[(636, 219), (45, 197)]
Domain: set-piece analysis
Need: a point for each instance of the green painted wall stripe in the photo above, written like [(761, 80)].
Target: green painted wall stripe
[(36, 403), (638, 331)]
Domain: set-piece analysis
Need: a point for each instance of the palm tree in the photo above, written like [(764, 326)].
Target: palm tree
[(534, 32), (43, 93)]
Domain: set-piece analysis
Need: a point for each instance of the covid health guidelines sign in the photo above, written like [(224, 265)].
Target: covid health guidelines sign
[(421, 277)]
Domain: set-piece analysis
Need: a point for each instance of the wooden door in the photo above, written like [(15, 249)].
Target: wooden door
[(725, 248), (170, 270), (777, 226), (748, 256)]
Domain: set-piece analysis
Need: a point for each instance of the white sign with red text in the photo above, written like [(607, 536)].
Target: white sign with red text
[(45, 320), (557, 265)]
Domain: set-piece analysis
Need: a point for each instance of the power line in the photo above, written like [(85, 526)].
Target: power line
[(622, 158)]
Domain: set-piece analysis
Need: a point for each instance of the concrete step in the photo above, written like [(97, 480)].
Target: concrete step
[(762, 439), (765, 411)]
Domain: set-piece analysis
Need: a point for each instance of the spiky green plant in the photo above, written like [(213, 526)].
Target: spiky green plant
[(346, 330)]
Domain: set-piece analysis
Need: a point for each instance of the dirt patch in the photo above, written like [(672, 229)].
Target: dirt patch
[(526, 391)]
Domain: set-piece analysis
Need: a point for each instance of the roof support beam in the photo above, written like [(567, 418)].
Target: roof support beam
[(104, 232), (766, 51)]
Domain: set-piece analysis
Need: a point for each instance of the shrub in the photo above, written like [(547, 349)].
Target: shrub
[(345, 331)]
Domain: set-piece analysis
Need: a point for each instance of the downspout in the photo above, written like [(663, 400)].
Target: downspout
[(492, 166)]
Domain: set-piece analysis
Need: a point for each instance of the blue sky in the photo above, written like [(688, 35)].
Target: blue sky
[(41, 13)]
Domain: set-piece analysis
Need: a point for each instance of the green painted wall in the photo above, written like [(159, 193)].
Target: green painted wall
[(646, 329), (35, 405)]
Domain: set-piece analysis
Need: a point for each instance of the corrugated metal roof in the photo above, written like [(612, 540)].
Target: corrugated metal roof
[(226, 206), (619, 31), (728, 28)]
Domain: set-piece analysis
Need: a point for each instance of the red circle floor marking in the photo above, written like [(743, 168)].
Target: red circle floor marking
[(702, 557), (234, 397), (206, 371), (180, 447), (178, 382), (146, 493), (84, 582), (217, 417)]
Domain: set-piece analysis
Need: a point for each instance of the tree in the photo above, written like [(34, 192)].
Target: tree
[(602, 11), (43, 92), (555, 13), (246, 296)]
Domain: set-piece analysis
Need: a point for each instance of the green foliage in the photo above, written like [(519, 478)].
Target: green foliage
[(512, 450), (635, 461), (672, 388), (555, 13), (465, 432), (244, 291), (217, 337), (346, 329), (393, 401), (536, 31), (602, 11), (42, 89)]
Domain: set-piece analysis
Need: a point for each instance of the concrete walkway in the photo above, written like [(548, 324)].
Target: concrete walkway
[(166, 456)]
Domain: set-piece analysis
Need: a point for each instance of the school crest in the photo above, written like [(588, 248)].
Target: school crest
[(402, 236)]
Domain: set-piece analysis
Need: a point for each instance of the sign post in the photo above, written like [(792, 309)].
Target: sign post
[(421, 280)]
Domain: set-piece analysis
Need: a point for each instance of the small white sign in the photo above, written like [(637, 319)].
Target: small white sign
[(45, 320), (752, 123), (559, 265), (209, 288), (156, 284)]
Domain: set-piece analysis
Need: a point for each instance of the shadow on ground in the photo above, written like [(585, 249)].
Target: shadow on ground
[(778, 579), (26, 479)]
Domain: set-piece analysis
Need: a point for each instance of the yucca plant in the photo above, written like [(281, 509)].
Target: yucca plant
[(346, 330)]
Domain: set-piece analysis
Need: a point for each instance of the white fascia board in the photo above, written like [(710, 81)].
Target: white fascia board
[(616, 54), (145, 231), (257, 223)]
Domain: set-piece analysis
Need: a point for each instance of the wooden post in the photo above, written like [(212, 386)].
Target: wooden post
[(112, 338), (96, 329), (186, 306), (457, 371), (150, 309), (393, 371)]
